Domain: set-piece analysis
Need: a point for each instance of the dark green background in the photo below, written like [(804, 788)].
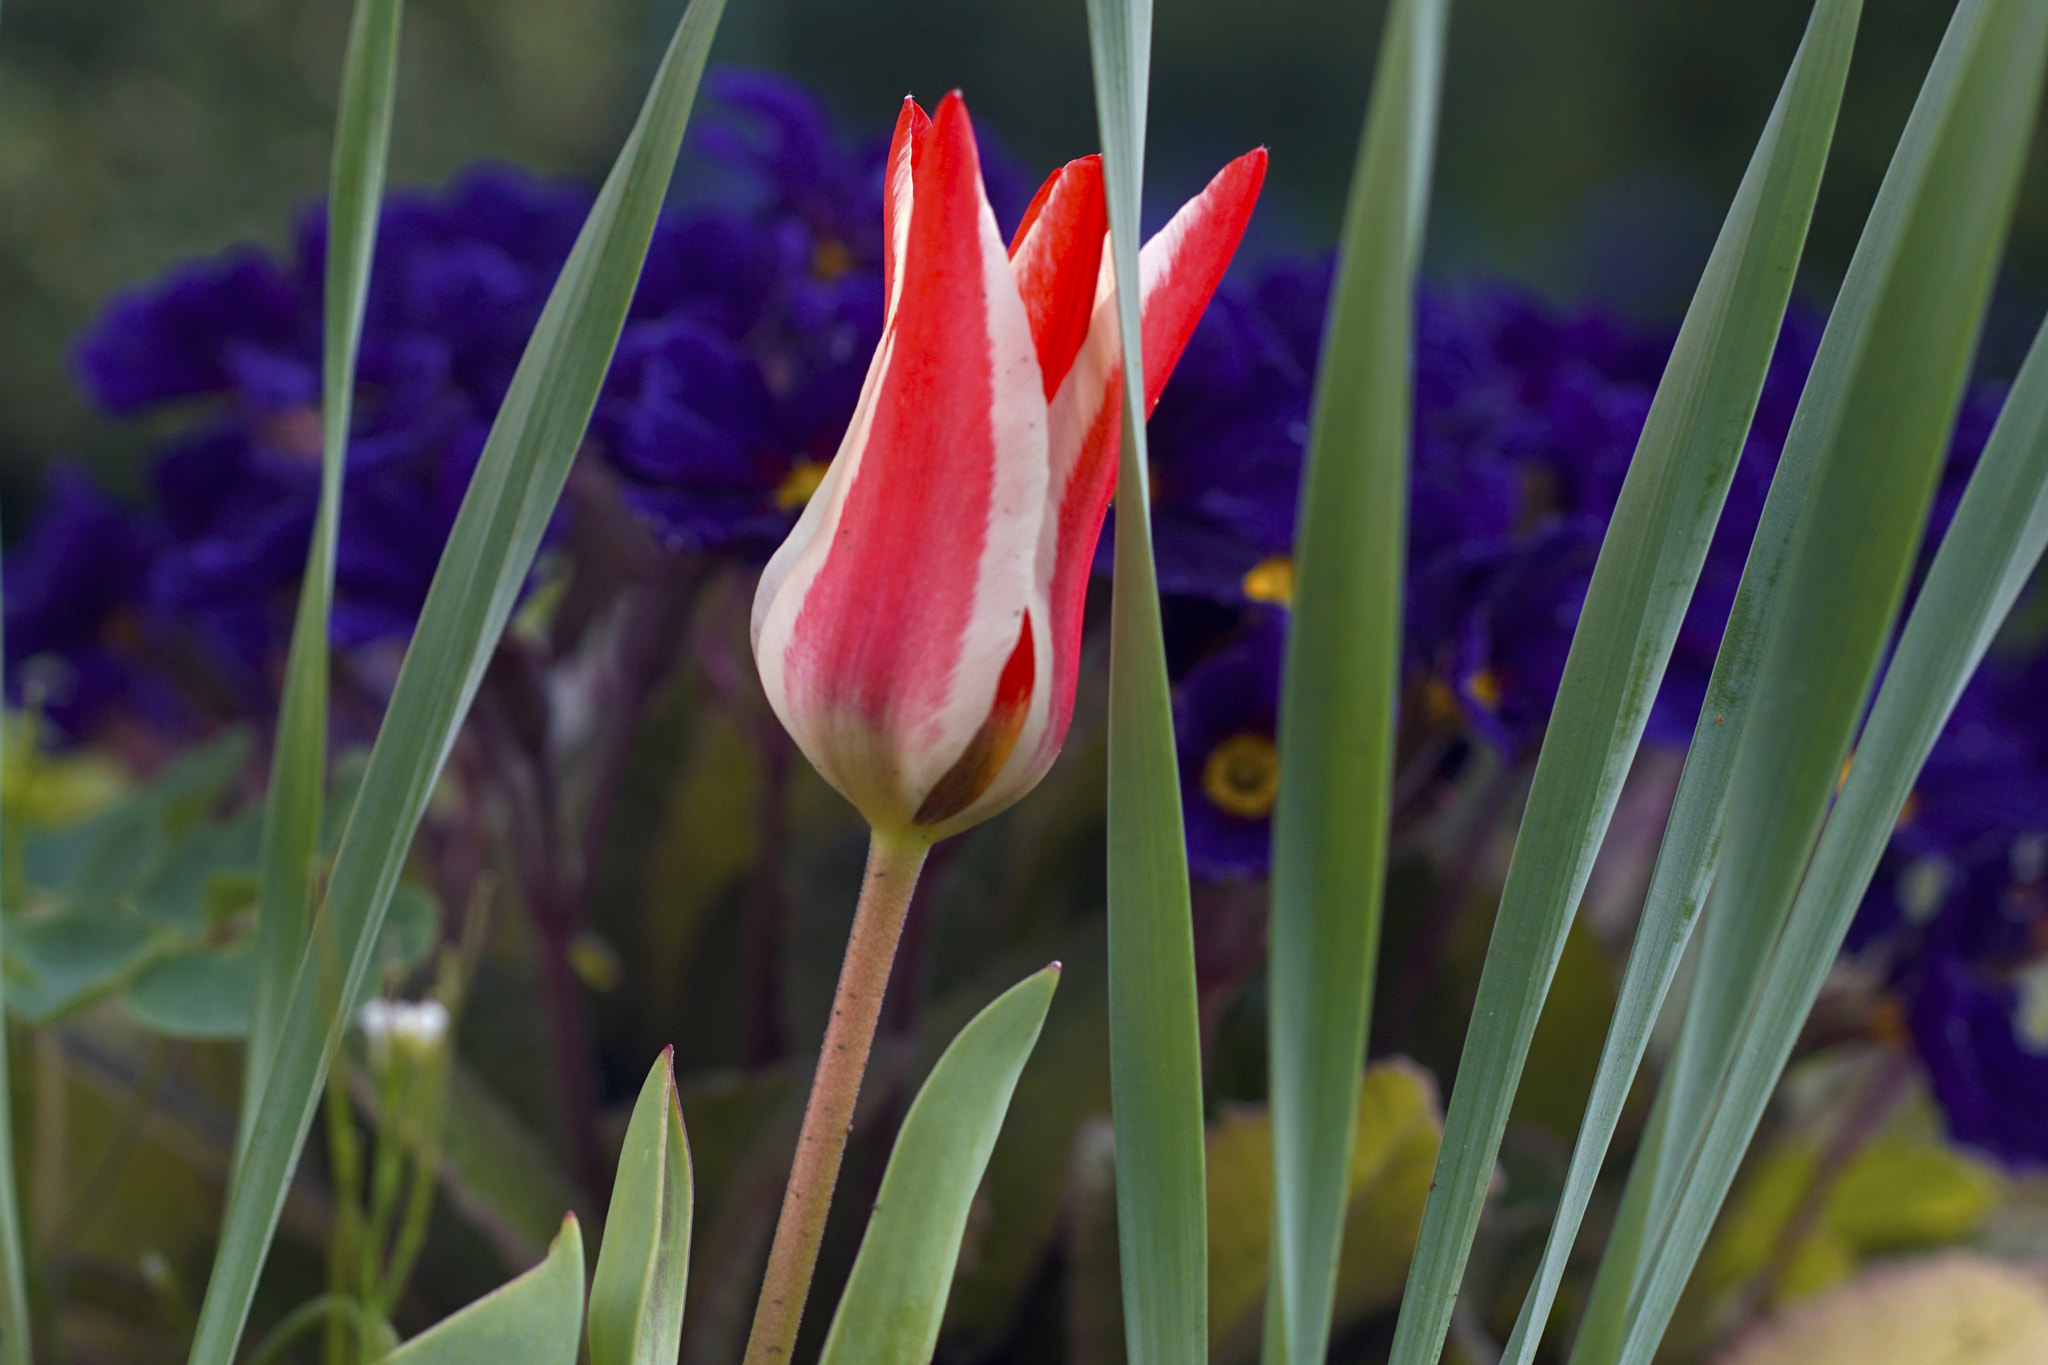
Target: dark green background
[(1588, 145)]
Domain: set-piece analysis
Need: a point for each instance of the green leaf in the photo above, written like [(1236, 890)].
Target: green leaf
[(1154, 1028), (537, 1319), (298, 764), (1662, 525), (1342, 679), (896, 1296), (55, 966), (511, 498), (1892, 365), (636, 1297), (198, 993), (15, 1346)]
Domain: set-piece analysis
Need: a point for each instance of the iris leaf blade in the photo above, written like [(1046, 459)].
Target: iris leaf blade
[(298, 767), (1341, 685), (511, 498), (1649, 562), (1902, 349), (1696, 430), (14, 1327), (1154, 1028)]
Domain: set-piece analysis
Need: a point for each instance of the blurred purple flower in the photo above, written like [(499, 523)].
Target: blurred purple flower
[(1226, 714)]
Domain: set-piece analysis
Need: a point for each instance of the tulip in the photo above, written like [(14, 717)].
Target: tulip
[(919, 632)]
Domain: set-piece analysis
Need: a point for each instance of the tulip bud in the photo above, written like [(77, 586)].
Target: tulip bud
[(919, 632)]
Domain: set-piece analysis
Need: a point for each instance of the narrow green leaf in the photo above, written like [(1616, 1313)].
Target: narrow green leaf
[(298, 761), (1342, 684), (636, 1297), (896, 1296), (1920, 279), (513, 493), (14, 1326), (1155, 1053), (1693, 437), (536, 1319)]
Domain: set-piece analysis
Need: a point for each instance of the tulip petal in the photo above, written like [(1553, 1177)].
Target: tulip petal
[(1057, 259), (911, 126), (1178, 269), (884, 636)]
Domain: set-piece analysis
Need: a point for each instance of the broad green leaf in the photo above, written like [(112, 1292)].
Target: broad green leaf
[(636, 1297), (197, 993), (1342, 678), (1959, 1307), (1155, 1052), (511, 498), (1398, 1126), (1900, 355), (896, 1296), (298, 762), (537, 1319), (1663, 523), (55, 966)]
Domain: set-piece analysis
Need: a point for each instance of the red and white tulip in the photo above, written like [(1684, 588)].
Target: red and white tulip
[(919, 632)]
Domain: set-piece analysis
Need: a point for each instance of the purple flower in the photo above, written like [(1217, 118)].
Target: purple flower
[(1226, 713)]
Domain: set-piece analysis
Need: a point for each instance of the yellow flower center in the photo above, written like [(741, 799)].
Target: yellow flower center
[(1271, 580), (830, 259), (1485, 688), (1242, 776), (797, 486)]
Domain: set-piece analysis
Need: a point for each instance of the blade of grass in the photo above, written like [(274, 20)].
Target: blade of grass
[(1649, 562), (1341, 686), (635, 1315), (298, 761), (511, 497), (1925, 267), (1154, 1039), (1695, 431), (896, 1296), (14, 1328)]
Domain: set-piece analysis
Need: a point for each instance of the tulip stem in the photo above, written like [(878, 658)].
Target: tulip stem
[(893, 865)]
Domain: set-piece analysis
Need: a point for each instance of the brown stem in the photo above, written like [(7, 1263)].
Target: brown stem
[(893, 865)]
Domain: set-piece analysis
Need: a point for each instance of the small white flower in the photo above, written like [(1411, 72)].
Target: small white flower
[(408, 1028)]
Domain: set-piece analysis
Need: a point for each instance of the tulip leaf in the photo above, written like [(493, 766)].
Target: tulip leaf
[(537, 1319), (1342, 679), (511, 498), (896, 1296), (298, 762), (1649, 563), (1154, 1026), (636, 1296), (1890, 373)]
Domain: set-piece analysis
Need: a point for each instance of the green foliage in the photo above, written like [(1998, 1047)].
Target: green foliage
[(537, 1319), (150, 897), (1877, 409), (1343, 677), (512, 494), (298, 763), (636, 1296), (1154, 1029), (896, 1296)]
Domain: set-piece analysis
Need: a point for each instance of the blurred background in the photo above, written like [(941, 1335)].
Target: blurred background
[(1589, 146)]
